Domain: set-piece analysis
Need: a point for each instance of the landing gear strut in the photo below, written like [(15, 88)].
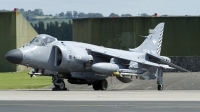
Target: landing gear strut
[(160, 79), (100, 85), (58, 83)]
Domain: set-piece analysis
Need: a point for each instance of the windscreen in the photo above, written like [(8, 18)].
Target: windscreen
[(42, 40), (48, 39)]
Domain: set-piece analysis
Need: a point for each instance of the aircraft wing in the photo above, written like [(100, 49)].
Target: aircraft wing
[(106, 52), (160, 60)]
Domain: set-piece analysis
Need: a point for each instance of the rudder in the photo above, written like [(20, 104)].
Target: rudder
[(153, 42)]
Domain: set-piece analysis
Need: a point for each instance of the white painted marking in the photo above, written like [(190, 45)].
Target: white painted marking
[(154, 41)]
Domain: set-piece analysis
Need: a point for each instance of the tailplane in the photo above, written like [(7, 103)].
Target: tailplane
[(153, 42)]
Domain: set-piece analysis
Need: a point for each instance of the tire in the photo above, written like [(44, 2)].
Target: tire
[(95, 85), (103, 84), (62, 84), (55, 89), (160, 87)]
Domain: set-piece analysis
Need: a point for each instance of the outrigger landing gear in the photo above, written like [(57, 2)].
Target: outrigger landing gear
[(160, 79), (58, 83), (100, 85), (160, 87)]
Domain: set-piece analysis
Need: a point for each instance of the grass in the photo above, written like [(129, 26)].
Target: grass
[(21, 80)]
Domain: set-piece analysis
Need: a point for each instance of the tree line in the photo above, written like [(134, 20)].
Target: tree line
[(33, 14), (62, 31)]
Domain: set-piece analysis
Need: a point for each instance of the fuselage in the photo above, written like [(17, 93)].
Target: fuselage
[(71, 54)]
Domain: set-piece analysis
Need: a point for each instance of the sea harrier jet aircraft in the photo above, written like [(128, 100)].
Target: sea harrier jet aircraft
[(82, 63)]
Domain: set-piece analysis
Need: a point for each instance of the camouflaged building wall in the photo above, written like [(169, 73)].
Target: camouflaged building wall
[(181, 34), (15, 31)]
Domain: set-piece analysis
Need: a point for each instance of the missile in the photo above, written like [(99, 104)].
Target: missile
[(105, 68), (124, 74)]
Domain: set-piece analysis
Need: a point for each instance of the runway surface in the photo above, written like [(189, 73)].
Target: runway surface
[(134, 95), (98, 106), (99, 101)]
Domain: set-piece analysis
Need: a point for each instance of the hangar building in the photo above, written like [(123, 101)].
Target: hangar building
[(181, 33), (15, 31)]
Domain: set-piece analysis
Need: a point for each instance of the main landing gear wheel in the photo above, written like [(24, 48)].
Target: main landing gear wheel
[(160, 87), (103, 84), (100, 85), (95, 87), (59, 84)]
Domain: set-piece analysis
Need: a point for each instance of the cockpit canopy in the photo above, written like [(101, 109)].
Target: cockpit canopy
[(42, 40)]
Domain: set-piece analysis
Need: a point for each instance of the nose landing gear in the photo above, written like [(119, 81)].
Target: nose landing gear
[(58, 83)]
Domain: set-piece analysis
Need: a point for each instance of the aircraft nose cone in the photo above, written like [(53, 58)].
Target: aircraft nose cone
[(14, 56)]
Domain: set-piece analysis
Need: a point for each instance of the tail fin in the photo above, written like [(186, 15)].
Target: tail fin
[(153, 42)]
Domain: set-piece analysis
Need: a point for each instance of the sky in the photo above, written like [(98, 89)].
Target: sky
[(105, 7)]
